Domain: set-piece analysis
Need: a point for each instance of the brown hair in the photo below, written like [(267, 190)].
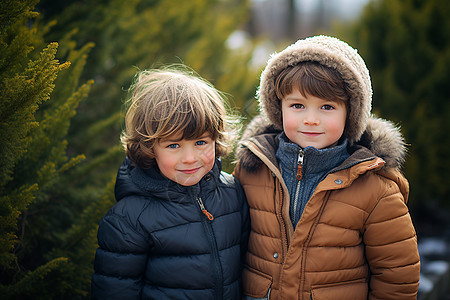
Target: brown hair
[(170, 101), (314, 79)]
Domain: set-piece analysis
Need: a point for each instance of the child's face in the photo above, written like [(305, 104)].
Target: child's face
[(312, 121), (185, 161)]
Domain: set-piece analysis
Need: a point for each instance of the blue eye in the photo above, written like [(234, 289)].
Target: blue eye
[(200, 143), (173, 146)]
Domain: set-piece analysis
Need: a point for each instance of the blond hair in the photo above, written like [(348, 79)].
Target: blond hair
[(171, 101)]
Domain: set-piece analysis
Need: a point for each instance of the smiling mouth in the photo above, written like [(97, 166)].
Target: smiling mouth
[(312, 134), (190, 171)]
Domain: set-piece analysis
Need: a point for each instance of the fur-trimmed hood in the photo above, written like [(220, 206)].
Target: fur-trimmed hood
[(330, 52), (381, 137)]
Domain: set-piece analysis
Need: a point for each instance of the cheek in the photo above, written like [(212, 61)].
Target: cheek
[(289, 122), (166, 166), (336, 126), (165, 163), (208, 155)]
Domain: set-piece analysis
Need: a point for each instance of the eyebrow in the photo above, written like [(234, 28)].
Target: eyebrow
[(293, 99), (169, 140)]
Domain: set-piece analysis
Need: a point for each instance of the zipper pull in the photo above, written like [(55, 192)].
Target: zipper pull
[(300, 165), (204, 211)]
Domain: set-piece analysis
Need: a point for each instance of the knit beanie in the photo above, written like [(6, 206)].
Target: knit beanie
[(330, 52)]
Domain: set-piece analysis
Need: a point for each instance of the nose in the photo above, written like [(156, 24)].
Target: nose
[(189, 155), (311, 119)]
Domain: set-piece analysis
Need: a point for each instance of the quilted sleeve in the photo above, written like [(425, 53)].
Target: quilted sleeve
[(120, 260), (391, 246)]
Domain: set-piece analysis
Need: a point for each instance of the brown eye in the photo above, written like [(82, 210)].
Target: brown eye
[(328, 107)]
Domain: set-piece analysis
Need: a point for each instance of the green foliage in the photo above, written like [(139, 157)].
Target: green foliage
[(406, 45), (33, 156), (80, 242), (23, 88), (15, 45), (33, 285)]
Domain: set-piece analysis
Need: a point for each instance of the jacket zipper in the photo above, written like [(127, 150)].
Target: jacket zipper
[(215, 251), (204, 211), (299, 177), (300, 164)]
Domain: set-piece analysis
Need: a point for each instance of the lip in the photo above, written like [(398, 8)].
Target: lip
[(190, 171), (311, 134)]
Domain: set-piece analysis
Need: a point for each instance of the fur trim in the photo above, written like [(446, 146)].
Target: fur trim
[(381, 137), (332, 53), (258, 126), (384, 139)]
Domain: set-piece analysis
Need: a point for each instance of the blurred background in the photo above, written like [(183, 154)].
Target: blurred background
[(66, 66)]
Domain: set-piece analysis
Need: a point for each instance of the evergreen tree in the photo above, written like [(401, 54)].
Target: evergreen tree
[(33, 129), (406, 44)]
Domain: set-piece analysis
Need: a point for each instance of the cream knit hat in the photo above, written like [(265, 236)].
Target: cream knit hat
[(330, 52)]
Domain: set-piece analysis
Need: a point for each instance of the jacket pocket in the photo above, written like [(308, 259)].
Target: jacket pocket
[(355, 289), (256, 284)]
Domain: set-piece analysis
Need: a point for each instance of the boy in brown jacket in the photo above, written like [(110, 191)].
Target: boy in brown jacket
[(322, 178)]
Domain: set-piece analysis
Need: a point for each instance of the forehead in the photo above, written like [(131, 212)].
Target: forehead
[(297, 95)]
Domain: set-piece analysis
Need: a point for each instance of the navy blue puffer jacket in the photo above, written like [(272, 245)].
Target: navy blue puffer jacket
[(155, 243)]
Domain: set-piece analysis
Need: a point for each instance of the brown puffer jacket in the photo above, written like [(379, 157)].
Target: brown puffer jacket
[(355, 238)]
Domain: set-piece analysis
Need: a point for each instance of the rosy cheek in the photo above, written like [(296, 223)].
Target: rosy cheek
[(336, 127), (290, 124)]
